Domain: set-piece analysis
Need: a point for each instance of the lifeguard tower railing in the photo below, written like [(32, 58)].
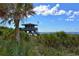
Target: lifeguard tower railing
[(31, 28)]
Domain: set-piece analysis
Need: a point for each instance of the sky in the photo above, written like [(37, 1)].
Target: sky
[(53, 17)]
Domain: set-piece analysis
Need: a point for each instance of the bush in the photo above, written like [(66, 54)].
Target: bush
[(58, 43), (1, 33)]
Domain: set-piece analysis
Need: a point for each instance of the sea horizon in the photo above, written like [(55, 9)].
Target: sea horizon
[(59, 31)]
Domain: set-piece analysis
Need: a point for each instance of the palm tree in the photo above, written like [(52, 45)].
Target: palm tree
[(14, 12)]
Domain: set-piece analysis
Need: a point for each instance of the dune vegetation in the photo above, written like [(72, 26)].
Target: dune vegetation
[(54, 44)]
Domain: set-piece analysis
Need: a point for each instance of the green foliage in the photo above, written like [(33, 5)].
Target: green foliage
[(1, 32), (56, 44)]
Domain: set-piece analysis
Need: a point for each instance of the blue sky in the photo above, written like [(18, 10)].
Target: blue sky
[(63, 17), (52, 17)]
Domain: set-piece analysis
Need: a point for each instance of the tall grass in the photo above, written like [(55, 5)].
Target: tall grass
[(55, 44)]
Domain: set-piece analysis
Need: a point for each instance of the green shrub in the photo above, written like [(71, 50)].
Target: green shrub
[(58, 43)]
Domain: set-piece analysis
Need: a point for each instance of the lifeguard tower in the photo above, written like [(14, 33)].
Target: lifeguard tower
[(31, 28)]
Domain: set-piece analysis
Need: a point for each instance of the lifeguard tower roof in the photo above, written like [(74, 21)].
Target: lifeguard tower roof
[(30, 24)]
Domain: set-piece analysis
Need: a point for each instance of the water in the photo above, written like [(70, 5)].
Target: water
[(54, 32), (72, 32)]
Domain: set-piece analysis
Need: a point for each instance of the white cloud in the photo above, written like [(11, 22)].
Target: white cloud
[(60, 12), (76, 12), (57, 5), (69, 12), (45, 10), (69, 19), (41, 9), (72, 16)]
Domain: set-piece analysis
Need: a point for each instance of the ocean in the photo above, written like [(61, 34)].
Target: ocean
[(54, 32)]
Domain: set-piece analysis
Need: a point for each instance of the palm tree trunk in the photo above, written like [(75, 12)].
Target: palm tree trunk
[(17, 35), (17, 32)]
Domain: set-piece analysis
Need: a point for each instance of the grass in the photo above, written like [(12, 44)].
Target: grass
[(54, 44)]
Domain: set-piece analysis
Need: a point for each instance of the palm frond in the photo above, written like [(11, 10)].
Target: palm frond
[(15, 11)]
